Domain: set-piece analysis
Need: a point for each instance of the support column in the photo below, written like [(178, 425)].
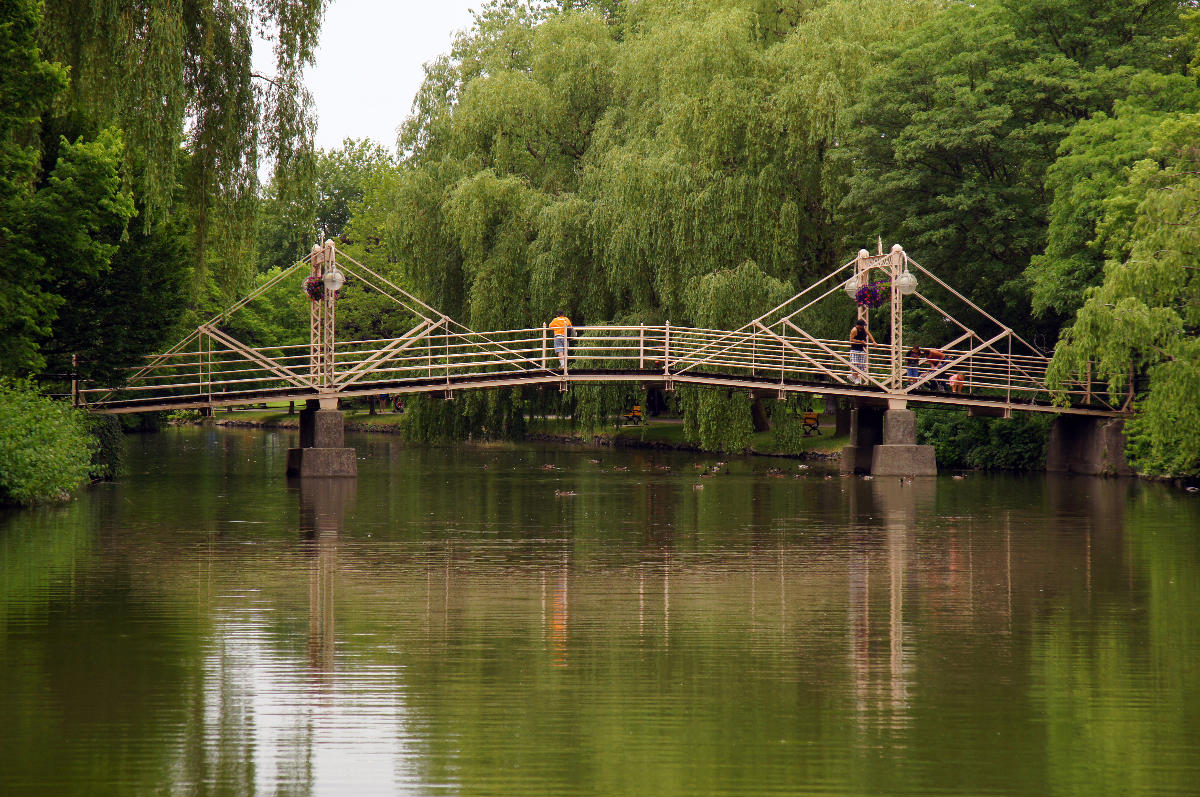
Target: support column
[(899, 454), (866, 431), (322, 450), (1087, 445)]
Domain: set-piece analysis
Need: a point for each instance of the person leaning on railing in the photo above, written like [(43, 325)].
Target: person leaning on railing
[(860, 336), (561, 327), (937, 363)]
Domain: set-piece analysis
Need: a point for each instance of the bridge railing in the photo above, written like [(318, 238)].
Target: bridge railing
[(213, 367)]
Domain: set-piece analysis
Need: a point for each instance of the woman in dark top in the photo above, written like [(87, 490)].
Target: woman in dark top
[(912, 362), (860, 336)]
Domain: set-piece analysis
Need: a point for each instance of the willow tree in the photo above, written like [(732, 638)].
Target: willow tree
[(607, 160), (1142, 323), (178, 75)]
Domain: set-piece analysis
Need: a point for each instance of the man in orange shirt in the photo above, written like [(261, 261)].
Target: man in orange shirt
[(561, 327)]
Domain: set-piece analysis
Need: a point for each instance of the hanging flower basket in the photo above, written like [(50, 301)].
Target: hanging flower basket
[(314, 288), (872, 295)]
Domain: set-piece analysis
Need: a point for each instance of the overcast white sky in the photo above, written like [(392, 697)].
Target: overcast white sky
[(369, 59)]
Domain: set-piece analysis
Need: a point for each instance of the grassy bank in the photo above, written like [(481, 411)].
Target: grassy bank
[(655, 432)]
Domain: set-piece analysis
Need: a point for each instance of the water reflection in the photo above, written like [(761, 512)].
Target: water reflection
[(323, 504), (451, 623)]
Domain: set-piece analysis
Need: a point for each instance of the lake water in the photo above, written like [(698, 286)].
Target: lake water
[(448, 623)]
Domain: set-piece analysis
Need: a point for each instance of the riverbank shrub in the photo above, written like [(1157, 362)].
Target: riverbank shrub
[(961, 441), (106, 456), (45, 448)]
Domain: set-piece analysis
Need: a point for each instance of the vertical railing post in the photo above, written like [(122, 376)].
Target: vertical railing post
[(782, 356), (667, 348), (205, 373), (545, 361), (1008, 380), (971, 361), (641, 347), (75, 380)]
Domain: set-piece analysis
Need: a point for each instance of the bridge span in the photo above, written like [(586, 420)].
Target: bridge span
[(995, 372)]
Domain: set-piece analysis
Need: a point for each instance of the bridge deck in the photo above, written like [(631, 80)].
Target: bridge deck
[(649, 378)]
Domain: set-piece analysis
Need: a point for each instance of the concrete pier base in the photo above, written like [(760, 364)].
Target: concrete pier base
[(899, 454), (322, 450), (1089, 446), (322, 462), (884, 443), (903, 460)]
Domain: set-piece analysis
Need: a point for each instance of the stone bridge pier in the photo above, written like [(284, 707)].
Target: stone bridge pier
[(322, 450), (1087, 445), (883, 442)]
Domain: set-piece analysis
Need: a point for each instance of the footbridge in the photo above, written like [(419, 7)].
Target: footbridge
[(995, 371)]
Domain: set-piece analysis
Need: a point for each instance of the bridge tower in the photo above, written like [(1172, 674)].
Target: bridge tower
[(322, 450), (883, 434)]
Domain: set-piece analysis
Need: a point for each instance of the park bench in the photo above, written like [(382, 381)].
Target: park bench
[(634, 416), (810, 422)]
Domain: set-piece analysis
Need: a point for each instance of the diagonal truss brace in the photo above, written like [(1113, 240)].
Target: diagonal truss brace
[(281, 371), (787, 344), (987, 344), (389, 352), (822, 345)]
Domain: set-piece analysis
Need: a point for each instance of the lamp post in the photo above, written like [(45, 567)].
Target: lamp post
[(903, 283)]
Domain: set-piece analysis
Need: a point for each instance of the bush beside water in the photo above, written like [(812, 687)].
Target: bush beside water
[(45, 447), (108, 432), (960, 441)]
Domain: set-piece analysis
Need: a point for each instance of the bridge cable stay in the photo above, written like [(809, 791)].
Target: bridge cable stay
[(447, 320)]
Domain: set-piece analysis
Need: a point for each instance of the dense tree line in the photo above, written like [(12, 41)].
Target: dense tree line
[(693, 160), (131, 135), (682, 160)]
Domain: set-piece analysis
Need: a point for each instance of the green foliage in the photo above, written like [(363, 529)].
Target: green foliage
[(953, 138), (716, 420), (960, 441), (109, 450), (1094, 160), (65, 234), (787, 424), (1143, 320), (479, 414), (179, 76), (151, 271), (663, 160), (45, 451), (288, 229)]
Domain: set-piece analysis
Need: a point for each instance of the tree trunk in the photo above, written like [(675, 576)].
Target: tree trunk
[(758, 414)]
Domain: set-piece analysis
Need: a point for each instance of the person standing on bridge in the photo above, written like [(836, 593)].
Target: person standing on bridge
[(937, 363), (860, 336), (912, 363), (561, 327)]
